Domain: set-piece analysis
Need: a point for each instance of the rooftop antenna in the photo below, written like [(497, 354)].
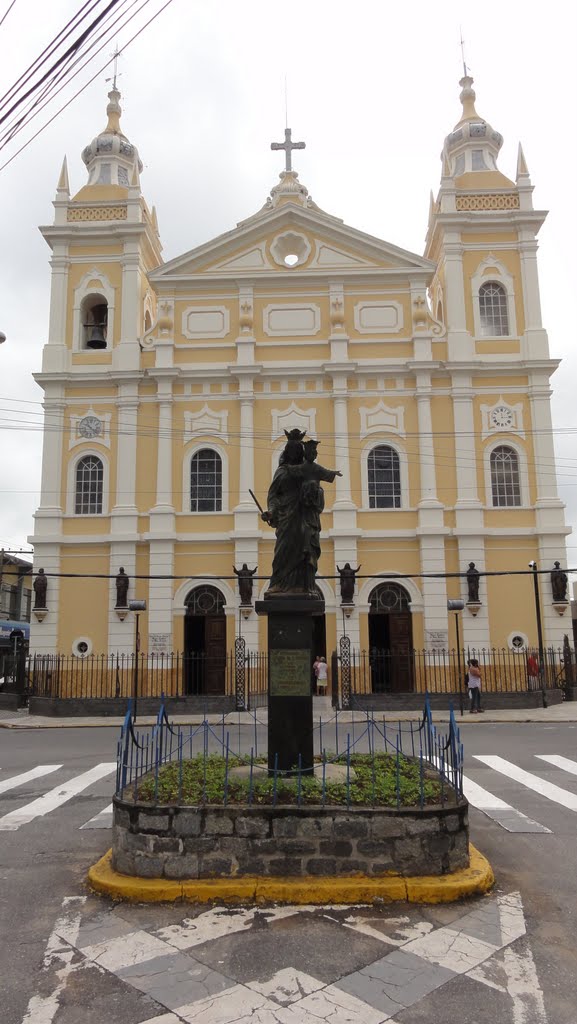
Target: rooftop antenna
[(465, 70), (115, 56), (286, 101)]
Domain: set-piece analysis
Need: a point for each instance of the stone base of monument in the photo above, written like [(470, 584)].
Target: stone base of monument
[(332, 773), (184, 842), (290, 684)]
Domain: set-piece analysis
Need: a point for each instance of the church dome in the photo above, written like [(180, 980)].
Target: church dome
[(473, 145), (110, 157)]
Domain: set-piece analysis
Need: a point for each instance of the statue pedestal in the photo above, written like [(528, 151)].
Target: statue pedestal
[(290, 679)]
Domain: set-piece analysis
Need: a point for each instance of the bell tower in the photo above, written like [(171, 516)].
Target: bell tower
[(104, 242), (482, 235)]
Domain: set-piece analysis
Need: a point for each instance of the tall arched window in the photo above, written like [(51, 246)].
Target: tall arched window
[(493, 313), (206, 481), (505, 478), (384, 473), (89, 483)]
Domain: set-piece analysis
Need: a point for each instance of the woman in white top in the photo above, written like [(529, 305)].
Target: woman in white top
[(322, 674)]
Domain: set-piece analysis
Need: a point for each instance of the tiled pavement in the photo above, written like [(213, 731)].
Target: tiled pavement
[(290, 965)]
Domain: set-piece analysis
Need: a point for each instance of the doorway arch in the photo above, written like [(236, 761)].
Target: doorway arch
[(390, 639), (205, 640)]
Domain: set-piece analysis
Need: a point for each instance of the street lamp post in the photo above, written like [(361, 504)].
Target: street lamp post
[(457, 606), (533, 567), (136, 606)]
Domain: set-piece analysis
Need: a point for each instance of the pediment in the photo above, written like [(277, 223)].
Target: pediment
[(322, 245)]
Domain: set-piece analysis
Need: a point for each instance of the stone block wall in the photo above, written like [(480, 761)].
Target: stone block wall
[(209, 842)]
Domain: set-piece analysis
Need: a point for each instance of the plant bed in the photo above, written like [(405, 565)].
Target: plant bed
[(380, 780)]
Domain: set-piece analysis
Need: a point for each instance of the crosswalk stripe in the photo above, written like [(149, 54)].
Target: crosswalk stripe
[(34, 773), (54, 798), (101, 820), (560, 762), (546, 789), (508, 817)]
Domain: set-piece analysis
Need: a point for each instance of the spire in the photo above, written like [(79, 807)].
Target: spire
[(473, 145), (523, 175), (63, 186), (110, 158)]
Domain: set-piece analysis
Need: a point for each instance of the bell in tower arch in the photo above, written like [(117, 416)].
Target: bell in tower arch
[(96, 328)]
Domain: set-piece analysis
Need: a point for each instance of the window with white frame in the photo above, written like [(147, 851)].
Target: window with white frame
[(206, 481), (384, 477), (89, 486), (505, 477), (493, 310)]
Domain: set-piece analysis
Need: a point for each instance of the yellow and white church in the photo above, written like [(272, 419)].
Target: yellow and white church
[(169, 386)]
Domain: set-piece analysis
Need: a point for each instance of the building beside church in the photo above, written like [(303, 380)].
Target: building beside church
[(169, 386)]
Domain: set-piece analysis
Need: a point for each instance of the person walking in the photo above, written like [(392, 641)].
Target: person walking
[(475, 686)]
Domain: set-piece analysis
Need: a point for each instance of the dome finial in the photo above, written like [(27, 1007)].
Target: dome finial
[(467, 98), (113, 111)]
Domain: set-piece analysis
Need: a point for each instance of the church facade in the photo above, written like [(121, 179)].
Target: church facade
[(169, 387)]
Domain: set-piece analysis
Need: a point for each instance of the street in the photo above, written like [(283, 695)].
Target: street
[(68, 955)]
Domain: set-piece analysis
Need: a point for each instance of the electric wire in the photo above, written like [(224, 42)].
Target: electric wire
[(83, 87), (6, 13)]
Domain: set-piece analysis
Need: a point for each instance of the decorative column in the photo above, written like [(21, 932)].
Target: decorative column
[(431, 529), (51, 480), (55, 353), (246, 516), (459, 341), (462, 391), (126, 354), (345, 532), (162, 526)]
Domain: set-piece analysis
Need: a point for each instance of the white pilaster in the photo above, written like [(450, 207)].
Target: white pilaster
[(164, 494), (126, 448), (160, 593), (343, 483), (551, 550), (475, 629), (51, 480), (426, 444), (55, 353), (459, 341), (466, 457), (432, 547), (126, 355), (545, 470)]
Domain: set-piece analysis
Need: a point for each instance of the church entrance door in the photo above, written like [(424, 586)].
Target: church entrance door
[(204, 642), (390, 640)]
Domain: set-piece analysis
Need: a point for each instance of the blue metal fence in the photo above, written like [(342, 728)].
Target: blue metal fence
[(142, 753)]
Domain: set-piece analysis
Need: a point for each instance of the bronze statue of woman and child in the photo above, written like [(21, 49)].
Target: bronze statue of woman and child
[(295, 501)]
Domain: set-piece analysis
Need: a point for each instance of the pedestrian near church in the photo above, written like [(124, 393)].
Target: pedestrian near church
[(322, 676), (474, 673)]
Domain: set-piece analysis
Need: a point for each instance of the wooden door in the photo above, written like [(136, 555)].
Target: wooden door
[(215, 653), (401, 652)]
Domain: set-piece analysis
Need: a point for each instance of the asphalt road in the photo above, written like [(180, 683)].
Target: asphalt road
[(43, 862)]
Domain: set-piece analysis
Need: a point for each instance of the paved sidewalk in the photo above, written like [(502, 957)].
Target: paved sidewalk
[(565, 712)]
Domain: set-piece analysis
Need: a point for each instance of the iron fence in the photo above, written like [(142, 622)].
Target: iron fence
[(243, 675), (102, 676), (444, 671), (143, 753)]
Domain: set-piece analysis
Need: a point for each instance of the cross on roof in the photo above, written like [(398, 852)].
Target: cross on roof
[(288, 147)]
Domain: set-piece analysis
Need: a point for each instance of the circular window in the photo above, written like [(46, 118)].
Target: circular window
[(290, 249), (82, 647), (517, 642)]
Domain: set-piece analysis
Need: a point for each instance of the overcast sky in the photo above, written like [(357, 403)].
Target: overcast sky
[(372, 89)]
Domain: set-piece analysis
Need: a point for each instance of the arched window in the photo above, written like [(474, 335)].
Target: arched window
[(206, 481), (384, 474), (205, 600), (505, 477), (94, 317), (89, 485), (493, 313), (389, 597)]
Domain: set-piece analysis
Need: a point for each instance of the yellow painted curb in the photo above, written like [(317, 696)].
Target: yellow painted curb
[(477, 878)]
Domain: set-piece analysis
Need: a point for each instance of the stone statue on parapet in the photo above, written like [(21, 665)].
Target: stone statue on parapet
[(559, 580), (347, 582), (245, 582)]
